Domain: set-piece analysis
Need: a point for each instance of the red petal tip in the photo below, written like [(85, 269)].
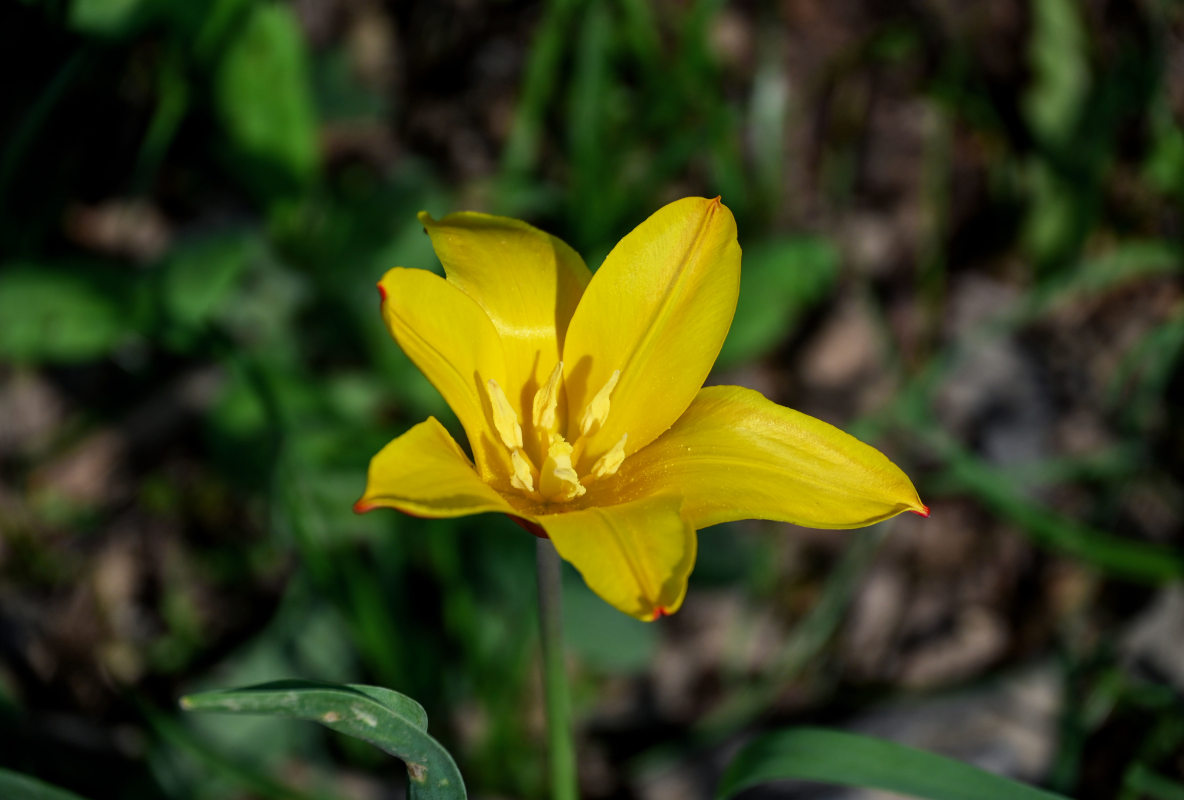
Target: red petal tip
[(660, 612), (532, 528), (381, 291), (361, 507), (924, 512)]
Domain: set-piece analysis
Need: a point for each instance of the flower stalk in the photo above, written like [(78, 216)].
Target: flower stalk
[(561, 747)]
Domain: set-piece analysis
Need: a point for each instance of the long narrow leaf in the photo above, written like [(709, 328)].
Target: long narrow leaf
[(816, 754), (388, 720), (15, 786)]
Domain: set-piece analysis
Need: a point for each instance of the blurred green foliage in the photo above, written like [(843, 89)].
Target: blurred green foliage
[(210, 189), (21, 787), (67, 313), (262, 97), (852, 760)]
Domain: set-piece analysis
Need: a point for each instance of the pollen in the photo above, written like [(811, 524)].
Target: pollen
[(505, 421), (597, 411)]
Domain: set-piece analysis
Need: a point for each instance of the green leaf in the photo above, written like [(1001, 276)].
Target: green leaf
[(388, 720), (15, 786), (1054, 222), (1132, 559), (198, 277), (109, 18), (538, 85), (1143, 782), (262, 94), (1164, 165), (1125, 263), (589, 140), (1060, 71), (848, 759), (63, 314), (779, 282), (401, 704)]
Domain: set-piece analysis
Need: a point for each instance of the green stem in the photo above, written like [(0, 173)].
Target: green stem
[(561, 746)]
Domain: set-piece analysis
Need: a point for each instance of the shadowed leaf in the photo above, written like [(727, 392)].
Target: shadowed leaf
[(14, 786), (386, 719), (848, 759)]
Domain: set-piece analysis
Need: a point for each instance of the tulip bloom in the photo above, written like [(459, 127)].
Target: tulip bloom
[(583, 403)]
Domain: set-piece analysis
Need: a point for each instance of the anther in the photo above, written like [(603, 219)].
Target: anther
[(523, 477), (505, 421), (546, 401), (610, 462), (597, 411)]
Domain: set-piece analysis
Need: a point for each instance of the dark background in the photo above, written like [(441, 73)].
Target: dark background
[(961, 228)]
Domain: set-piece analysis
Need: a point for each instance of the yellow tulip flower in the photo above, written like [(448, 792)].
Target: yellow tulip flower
[(583, 402)]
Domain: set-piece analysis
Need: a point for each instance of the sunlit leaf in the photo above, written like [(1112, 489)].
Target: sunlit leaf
[(263, 97), (848, 759)]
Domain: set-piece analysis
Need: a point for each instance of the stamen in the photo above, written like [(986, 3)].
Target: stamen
[(523, 477), (610, 462), (597, 411), (558, 480), (546, 401), (505, 421)]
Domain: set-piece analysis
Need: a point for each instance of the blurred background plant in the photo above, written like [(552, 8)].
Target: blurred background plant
[(961, 226)]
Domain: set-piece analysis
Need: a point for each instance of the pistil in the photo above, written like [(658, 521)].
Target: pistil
[(558, 481)]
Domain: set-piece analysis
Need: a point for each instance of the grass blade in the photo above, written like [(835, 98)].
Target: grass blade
[(15, 786), (848, 759)]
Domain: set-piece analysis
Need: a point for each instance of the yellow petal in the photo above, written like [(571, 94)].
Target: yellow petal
[(657, 310), (736, 455), (528, 283), (636, 556), (454, 344), (424, 472)]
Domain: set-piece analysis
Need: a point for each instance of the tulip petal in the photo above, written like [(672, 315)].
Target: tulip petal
[(736, 455), (658, 310), (637, 556), (425, 473), (528, 282), (447, 335)]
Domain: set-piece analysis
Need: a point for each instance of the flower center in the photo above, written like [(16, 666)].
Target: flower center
[(543, 462)]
